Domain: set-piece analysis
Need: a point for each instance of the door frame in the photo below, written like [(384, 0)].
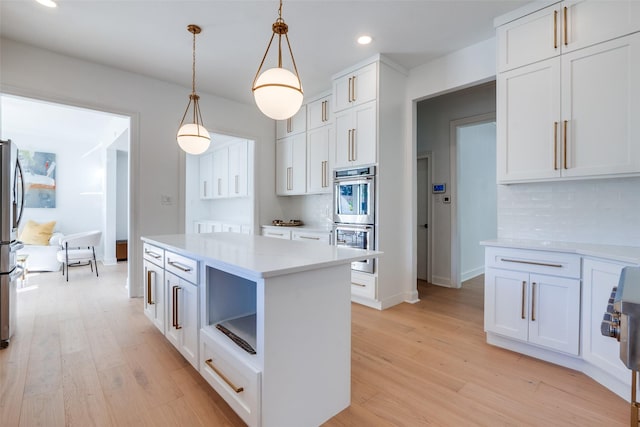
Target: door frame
[(453, 168), (428, 156)]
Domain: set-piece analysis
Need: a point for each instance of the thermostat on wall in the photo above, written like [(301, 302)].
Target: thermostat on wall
[(439, 188)]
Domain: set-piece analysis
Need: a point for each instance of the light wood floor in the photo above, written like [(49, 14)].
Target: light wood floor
[(85, 355)]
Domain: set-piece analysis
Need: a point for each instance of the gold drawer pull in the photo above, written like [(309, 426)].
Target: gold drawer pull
[(309, 238), (544, 264), (152, 254), (533, 302), (179, 266), (524, 289), (149, 300), (209, 363), (555, 29), (358, 284)]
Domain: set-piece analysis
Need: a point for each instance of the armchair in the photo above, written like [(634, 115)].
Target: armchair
[(79, 249)]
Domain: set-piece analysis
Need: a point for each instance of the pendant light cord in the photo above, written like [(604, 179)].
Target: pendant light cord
[(193, 67)]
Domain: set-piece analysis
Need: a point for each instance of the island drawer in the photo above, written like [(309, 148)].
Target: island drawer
[(543, 262), (153, 254), (311, 236), (238, 382), (363, 284), (181, 266)]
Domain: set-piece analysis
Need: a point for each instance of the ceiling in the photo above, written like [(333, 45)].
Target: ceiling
[(149, 37)]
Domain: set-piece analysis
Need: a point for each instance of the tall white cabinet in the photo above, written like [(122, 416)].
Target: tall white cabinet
[(568, 92), (224, 171), (320, 145)]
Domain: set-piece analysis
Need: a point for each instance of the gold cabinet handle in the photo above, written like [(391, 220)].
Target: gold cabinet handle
[(564, 138), (179, 265), (152, 254), (353, 86), (309, 238), (353, 145), (543, 264), (149, 300), (349, 146), (555, 146), (176, 315), (210, 364), (524, 290), (565, 30), (205, 189), (358, 284), (349, 90), (555, 29), (533, 301), (236, 184), (219, 186)]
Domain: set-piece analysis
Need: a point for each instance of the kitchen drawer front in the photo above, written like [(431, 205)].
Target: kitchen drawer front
[(181, 266), (153, 254), (363, 284), (311, 236), (277, 233), (238, 383), (543, 262)]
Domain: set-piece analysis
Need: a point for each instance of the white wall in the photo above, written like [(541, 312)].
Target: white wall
[(156, 107), (477, 194), (433, 134), (122, 195)]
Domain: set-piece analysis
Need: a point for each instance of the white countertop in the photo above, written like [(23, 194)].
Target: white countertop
[(257, 256), (626, 254)]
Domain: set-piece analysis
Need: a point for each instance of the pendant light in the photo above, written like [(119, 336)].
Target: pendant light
[(278, 91), (193, 137)]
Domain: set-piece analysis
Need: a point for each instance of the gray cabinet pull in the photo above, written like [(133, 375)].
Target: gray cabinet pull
[(544, 264), (179, 266)]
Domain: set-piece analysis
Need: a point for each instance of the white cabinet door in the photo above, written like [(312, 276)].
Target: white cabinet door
[(319, 113), (532, 38), (356, 88), (554, 313), (590, 22), (599, 278), (293, 125), (154, 295), (601, 109), (238, 169), (528, 128), (221, 173), (182, 311), (291, 159), (356, 136), (506, 303), (318, 164), (206, 176)]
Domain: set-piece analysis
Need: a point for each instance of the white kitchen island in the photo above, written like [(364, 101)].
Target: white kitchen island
[(288, 301)]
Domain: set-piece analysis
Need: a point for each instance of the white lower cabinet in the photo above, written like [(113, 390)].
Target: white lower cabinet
[(154, 294), (599, 278), (236, 381), (540, 309), (363, 285), (182, 310)]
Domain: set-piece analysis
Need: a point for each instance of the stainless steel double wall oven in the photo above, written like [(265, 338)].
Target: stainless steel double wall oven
[(354, 212)]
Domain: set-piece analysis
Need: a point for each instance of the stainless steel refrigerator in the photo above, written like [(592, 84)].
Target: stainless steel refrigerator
[(11, 206)]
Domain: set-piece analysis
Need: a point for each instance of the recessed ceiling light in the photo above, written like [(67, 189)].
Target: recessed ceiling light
[(364, 39), (48, 3)]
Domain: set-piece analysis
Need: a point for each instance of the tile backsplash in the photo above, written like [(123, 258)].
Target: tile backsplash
[(316, 210), (605, 211)]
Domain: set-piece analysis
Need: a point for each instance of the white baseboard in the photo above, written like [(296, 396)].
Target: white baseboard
[(441, 281), (109, 261), (470, 274)]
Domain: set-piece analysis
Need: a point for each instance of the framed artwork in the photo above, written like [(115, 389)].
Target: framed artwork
[(39, 171)]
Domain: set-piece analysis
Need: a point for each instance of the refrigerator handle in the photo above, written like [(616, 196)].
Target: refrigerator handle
[(17, 218)]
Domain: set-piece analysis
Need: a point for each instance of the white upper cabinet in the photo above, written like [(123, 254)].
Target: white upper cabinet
[(356, 88), (206, 176), (291, 165), (238, 169), (224, 172), (319, 113), (601, 109), (573, 114), (564, 27), (221, 173), (356, 136), (318, 159), (293, 125)]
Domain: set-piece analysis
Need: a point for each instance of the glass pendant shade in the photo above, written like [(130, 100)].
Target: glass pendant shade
[(193, 138), (278, 93)]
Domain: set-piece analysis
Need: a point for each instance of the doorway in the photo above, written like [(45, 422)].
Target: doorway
[(424, 217), (474, 207)]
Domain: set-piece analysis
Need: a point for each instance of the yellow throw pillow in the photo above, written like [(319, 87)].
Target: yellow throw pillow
[(37, 234)]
